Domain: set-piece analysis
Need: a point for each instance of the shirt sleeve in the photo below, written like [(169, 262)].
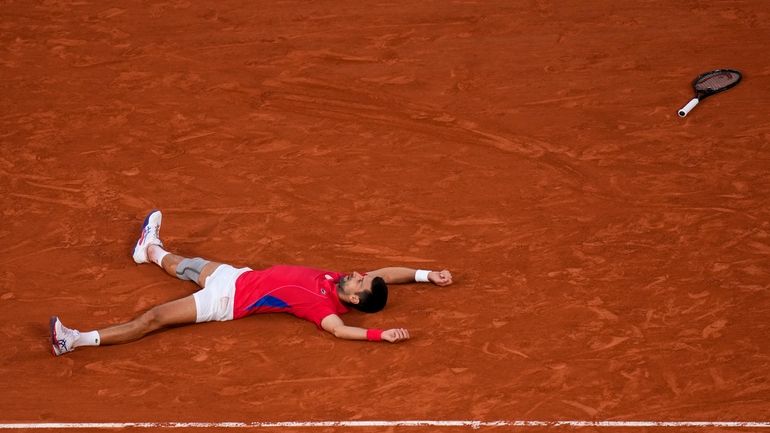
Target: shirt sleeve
[(318, 314)]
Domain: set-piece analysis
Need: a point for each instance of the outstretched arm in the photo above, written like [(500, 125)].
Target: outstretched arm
[(334, 325), (400, 275)]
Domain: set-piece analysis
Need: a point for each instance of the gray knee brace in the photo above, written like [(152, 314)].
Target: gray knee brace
[(190, 269)]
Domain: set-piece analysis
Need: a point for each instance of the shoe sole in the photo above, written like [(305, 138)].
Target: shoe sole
[(143, 232), (52, 327)]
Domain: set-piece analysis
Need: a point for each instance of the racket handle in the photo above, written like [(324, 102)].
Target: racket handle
[(690, 105)]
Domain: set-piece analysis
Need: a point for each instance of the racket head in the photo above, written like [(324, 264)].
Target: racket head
[(715, 82)]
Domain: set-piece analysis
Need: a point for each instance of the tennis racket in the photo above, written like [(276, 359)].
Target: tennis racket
[(709, 84)]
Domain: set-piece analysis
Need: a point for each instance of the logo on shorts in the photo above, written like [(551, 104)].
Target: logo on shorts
[(323, 291)]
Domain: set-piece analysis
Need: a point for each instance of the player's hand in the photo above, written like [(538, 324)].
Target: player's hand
[(442, 278), (395, 335)]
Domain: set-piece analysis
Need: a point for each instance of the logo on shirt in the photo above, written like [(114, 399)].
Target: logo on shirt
[(328, 278)]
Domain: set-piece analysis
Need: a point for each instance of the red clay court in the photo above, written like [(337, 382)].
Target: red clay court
[(611, 260)]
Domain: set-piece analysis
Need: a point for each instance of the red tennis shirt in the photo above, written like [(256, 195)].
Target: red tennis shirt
[(307, 293)]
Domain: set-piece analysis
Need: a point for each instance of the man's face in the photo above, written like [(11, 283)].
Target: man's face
[(355, 283)]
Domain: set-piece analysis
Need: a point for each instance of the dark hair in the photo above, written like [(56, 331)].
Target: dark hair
[(375, 300)]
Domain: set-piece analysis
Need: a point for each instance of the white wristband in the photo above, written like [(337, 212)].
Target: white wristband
[(421, 276)]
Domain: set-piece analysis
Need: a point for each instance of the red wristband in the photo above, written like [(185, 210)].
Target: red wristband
[(374, 334)]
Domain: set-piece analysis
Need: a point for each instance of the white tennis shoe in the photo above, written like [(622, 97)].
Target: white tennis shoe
[(62, 338), (150, 236)]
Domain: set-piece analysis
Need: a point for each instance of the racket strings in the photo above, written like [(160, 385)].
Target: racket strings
[(716, 81)]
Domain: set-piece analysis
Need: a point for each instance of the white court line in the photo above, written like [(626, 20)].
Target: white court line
[(407, 423)]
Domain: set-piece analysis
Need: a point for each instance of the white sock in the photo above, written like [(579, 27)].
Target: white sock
[(88, 339), (157, 255)]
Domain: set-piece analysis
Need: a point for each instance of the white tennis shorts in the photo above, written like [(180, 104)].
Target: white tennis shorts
[(215, 301)]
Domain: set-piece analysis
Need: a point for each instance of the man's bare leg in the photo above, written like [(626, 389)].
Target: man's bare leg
[(179, 312)]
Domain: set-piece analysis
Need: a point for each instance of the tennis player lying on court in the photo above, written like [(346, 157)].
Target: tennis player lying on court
[(229, 293)]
